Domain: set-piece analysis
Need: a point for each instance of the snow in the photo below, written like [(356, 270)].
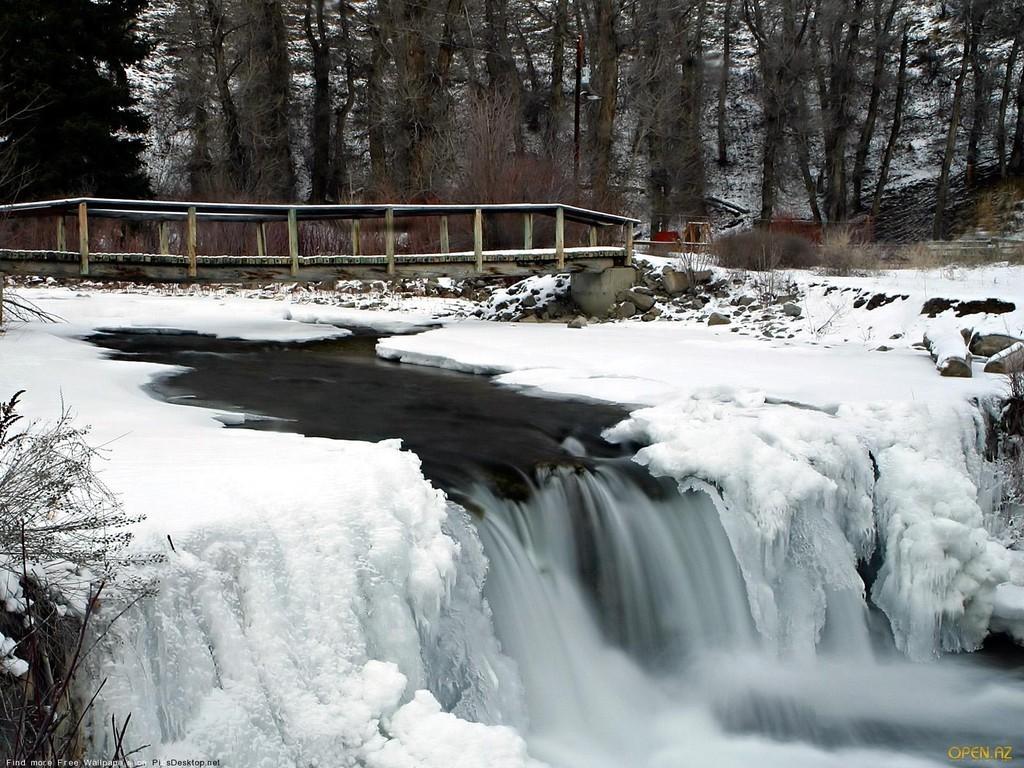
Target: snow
[(644, 364), (227, 317), (790, 434), (310, 589), (383, 321), (947, 345), (321, 598)]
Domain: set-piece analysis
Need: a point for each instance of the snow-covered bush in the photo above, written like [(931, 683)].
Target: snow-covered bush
[(61, 535)]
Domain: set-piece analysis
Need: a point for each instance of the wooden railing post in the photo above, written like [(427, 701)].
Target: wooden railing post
[(528, 231), (62, 236), (445, 245), (355, 237), (261, 240), (83, 238), (389, 238), (593, 237), (478, 239), (191, 238), (629, 243), (165, 238), (293, 240), (560, 237)]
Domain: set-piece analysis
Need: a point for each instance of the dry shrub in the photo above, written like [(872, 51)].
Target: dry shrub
[(761, 250), (994, 208), (840, 255)]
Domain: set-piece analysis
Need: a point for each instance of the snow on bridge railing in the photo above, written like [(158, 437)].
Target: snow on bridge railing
[(191, 213)]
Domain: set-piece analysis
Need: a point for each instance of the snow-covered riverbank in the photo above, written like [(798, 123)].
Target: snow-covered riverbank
[(317, 585)]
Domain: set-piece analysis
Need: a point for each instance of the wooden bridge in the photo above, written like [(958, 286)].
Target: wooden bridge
[(175, 231)]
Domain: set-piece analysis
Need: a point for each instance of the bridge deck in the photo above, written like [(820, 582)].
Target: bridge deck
[(226, 269)]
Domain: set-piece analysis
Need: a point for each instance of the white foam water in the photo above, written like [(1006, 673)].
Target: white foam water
[(624, 608)]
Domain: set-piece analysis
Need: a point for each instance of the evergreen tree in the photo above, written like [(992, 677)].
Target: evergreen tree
[(69, 120)]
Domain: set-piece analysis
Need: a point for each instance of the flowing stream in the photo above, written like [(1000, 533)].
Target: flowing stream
[(617, 596)]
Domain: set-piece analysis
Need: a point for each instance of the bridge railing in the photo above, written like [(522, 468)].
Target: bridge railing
[(192, 215)]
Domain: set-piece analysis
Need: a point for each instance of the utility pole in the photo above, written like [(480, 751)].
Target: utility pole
[(576, 115)]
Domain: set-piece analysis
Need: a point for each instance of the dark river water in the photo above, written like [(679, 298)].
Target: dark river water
[(459, 425)]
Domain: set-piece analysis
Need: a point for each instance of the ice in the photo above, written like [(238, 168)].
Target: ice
[(310, 587), (801, 505)]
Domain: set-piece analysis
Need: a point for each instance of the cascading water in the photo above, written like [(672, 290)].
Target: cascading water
[(621, 602)]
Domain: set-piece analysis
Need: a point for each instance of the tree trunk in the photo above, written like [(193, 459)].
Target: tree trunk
[(238, 160), (723, 86), (691, 178), (606, 72), (556, 99), (273, 148), (1017, 148), (320, 130), (978, 77), (837, 117), (341, 176), (1004, 102), (894, 130), (942, 192), (881, 26), (378, 129), (804, 156)]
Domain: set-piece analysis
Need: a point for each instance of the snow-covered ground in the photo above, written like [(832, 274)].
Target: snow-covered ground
[(263, 642), (318, 588)]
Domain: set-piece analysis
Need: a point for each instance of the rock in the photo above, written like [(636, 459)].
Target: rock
[(642, 289), (883, 348), (937, 306), (984, 307), (745, 301), (791, 309), (650, 315), (529, 300), (641, 301), (624, 310), (678, 281), (578, 322), (949, 352), (956, 367), (702, 276), (988, 344), (717, 318), (675, 282), (1008, 360)]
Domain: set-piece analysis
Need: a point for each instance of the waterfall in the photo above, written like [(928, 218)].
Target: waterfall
[(621, 602)]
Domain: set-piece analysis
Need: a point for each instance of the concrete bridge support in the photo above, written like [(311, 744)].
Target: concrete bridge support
[(595, 292)]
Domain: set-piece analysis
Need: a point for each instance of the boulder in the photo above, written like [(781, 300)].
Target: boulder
[(989, 344), (1007, 360), (949, 351), (745, 301), (791, 309), (717, 318), (641, 301), (678, 281), (624, 310), (578, 322), (650, 315), (675, 282)]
